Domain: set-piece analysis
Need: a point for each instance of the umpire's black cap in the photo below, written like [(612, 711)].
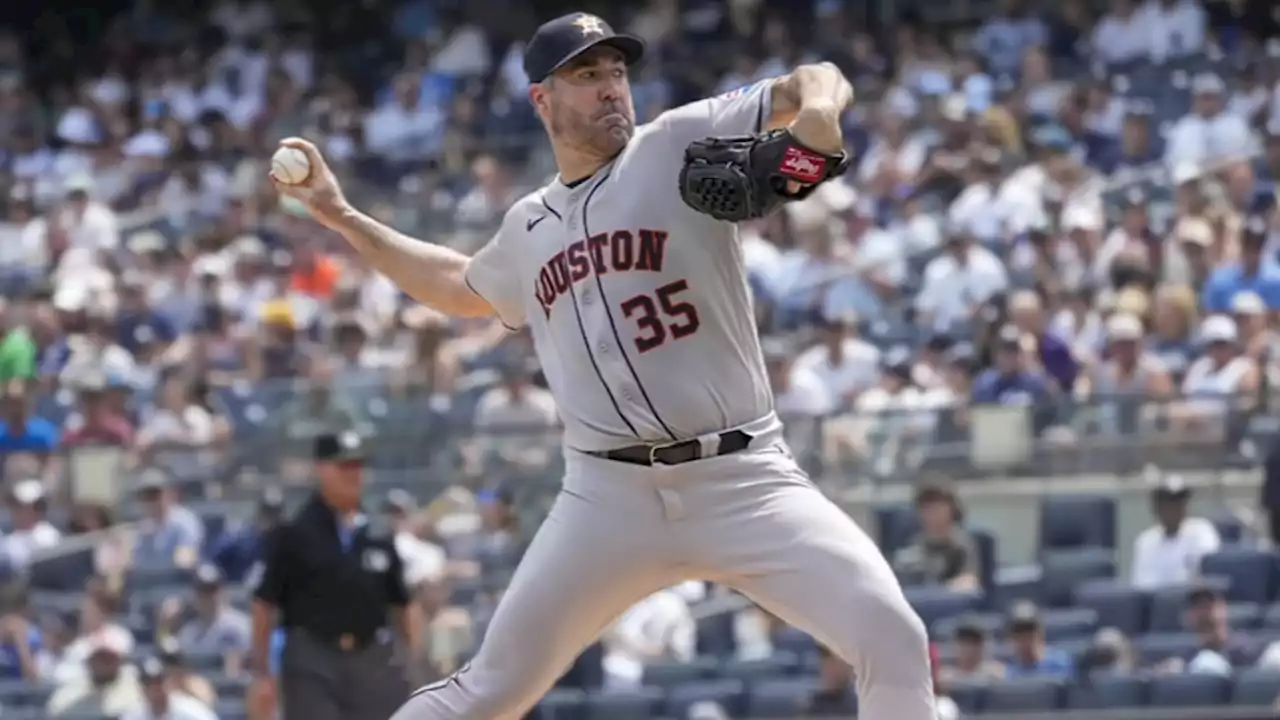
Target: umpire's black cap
[(557, 42), (345, 446)]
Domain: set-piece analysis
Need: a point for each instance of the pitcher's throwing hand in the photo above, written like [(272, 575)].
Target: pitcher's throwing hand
[(320, 192)]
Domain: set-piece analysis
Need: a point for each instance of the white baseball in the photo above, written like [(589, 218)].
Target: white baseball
[(290, 166)]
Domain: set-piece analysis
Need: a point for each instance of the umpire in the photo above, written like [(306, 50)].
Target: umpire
[(337, 584)]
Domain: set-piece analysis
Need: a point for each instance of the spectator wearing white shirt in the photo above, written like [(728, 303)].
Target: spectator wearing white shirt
[(161, 702), (1169, 553), (31, 531), (959, 280), (895, 156), (424, 562), (658, 628), (1004, 37), (1122, 35), (798, 391), (405, 128), (511, 415), (1176, 27), (1209, 135), (846, 364)]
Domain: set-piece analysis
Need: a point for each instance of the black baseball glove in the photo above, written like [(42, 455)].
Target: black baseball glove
[(743, 177)]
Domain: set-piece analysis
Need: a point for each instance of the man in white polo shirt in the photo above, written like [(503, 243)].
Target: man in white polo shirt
[(1169, 552)]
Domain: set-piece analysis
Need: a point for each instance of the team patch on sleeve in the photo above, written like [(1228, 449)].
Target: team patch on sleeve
[(739, 92)]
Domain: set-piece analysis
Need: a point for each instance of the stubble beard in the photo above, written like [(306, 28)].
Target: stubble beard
[(581, 132)]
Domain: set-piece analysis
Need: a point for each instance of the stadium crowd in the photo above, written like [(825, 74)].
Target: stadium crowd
[(1069, 214)]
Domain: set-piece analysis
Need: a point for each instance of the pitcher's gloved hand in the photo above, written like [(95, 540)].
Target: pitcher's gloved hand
[(749, 176)]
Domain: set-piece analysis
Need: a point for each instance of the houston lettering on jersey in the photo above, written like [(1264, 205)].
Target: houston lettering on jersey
[(616, 251)]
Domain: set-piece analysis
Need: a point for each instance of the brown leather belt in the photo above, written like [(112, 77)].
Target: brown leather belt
[(675, 453)]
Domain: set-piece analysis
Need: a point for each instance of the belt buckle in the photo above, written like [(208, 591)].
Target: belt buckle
[(347, 642), (657, 447)]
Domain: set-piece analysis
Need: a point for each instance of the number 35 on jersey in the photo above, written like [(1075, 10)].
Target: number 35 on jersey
[(659, 316)]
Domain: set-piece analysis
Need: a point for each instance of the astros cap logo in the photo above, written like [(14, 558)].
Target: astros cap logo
[(590, 25)]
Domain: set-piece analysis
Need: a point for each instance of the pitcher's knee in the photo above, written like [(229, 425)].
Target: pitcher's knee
[(888, 641), (473, 693)]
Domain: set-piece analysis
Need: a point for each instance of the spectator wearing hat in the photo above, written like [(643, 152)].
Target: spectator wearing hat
[(1256, 338), (943, 552), (1223, 381), (180, 676), (973, 661), (1209, 135), (160, 701), (1012, 380), (237, 551), (1219, 649), (215, 627), (99, 421), (1168, 553), (335, 583), (1246, 274), (1129, 379), (516, 420), (99, 617), (1031, 655), (31, 532), (109, 687), (171, 535), (959, 280), (1110, 653)]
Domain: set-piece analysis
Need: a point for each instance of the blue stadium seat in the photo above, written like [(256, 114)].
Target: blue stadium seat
[(1155, 647), (563, 704), (1189, 690), (729, 694), (1117, 605), (970, 697), (934, 604), (65, 573), (1066, 623), (668, 674), (1271, 617), (1251, 574), (1076, 521), (1107, 691), (1244, 615), (19, 693), (1065, 570), (1256, 687), (895, 525), (231, 710), (786, 697), (640, 704), (715, 635), (987, 558), (1024, 695), (1229, 526), (777, 665)]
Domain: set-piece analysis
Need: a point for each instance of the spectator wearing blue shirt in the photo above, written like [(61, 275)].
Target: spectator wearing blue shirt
[(236, 552), (137, 324), (1055, 356), (1032, 656), (20, 640), (1245, 274), (171, 535), (20, 431), (1012, 382)]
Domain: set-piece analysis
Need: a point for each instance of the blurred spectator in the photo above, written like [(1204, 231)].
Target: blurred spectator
[(1246, 274), (31, 532), (180, 677), (846, 364), (99, 626), (1168, 553), (17, 348), (21, 640), (236, 552), (99, 422), (425, 563), (1013, 380), (499, 542), (171, 535), (972, 660), (835, 694), (161, 701), (1110, 653), (659, 628), (109, 686), (23, 432), (515, 412), (959, 281), (1218, 649), (943, 553), (1032, 656), (1052, 354), (1222, 380), (214, 627), (1209, 135)]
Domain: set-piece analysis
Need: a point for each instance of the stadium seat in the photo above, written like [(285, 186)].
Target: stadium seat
[(1117, 605), (728, 694), (987, 558), (639, 704), (1189, 690), (1250, 573), (934, 604), (1155, 647), (777, 665), (1077, 521), (66, 572), (895, 525), (1229, 526), (1244, 615), (970, 697), (1256, 687), (1065, 623), (19, 694), (795, 641), (991, 622), (1271, 617), (668, 674), (715, 635), (563, 704), (1107, 691), (1065, 570), (1024, 695), (780, 698), (231, 710)]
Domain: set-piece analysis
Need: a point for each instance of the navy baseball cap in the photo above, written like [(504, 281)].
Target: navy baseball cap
[(557, 42)]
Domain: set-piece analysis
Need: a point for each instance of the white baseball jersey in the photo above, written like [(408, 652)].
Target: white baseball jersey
[(638, 305)]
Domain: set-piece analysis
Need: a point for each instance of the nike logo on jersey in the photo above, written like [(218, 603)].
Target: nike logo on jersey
[(617, 251), (528, 226)]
